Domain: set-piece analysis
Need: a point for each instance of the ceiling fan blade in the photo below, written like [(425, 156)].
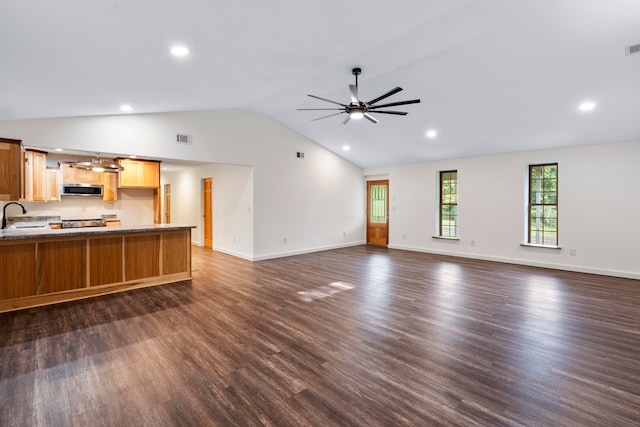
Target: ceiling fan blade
[(324, 117), (381, 97), (398, 113), (327, 100), (370, 118), (392, 104), (347, 119), (319, 109), (353, 90)]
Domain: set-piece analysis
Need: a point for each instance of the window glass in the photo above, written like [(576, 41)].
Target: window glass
[(378, 203), (543, 204), (448, 204)]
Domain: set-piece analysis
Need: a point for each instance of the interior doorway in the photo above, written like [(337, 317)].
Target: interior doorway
[(207, 209), (378, 212), (167, 203)]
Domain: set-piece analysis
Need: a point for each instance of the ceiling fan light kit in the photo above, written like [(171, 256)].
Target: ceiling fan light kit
[(357, 109)]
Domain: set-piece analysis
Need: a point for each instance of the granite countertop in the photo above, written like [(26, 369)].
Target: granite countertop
[(15, 234)]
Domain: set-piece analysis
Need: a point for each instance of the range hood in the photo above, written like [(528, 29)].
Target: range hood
[(98, 164)]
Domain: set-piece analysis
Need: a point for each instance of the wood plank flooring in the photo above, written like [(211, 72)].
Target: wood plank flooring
[(361, 336)]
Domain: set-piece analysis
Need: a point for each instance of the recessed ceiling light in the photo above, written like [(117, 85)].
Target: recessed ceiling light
[(126, 108), (133, 156), (431, 133), (179, 51), (59, 149), (165, 168), (346, 148), (587, 106)]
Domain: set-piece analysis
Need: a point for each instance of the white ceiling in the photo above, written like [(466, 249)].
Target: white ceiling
[(493, 75)]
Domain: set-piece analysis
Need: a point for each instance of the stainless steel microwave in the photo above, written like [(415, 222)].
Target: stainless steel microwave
[(82, 190)]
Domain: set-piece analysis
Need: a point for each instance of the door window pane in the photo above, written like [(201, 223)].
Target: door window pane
[(378, 203)]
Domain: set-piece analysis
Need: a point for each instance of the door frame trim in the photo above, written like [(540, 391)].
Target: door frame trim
[(368, 183)]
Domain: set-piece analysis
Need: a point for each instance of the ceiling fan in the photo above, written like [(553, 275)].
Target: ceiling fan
[(358, 109)]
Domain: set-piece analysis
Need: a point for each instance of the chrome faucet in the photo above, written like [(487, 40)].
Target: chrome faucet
[(4, 213)]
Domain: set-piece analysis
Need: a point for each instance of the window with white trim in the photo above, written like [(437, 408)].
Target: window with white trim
[(448, 214), (543, 205)]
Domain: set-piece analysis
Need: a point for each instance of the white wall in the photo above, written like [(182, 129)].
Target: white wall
[(232, 200), (134, 207), (310, 201), (318, 198), (599, 208)]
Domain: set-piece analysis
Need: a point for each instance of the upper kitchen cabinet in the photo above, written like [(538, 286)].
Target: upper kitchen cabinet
[(53, 185), (73, 175), (110, 186), (35, 176), (10, 169), (139, 173)]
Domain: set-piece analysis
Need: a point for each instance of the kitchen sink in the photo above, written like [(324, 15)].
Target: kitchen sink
[(28, 226)]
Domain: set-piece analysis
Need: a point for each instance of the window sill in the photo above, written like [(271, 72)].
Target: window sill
[(445, 238), (532, 245)]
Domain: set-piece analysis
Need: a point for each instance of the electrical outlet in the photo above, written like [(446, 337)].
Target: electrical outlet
[(284, 240), (473, 243), (404, 237), (572, 252), (344, 234)]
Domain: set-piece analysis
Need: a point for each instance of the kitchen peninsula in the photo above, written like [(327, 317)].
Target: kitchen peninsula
[(45, 266)]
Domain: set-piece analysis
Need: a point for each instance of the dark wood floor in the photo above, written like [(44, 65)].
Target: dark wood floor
[(361, 336)]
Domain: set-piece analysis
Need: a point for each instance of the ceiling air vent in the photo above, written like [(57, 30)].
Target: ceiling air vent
[(183, 139), (631, 50)]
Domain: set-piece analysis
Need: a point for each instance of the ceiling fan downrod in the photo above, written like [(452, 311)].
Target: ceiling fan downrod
[(356, 72)]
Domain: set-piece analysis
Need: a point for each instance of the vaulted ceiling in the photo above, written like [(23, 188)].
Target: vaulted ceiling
[(493, 75)]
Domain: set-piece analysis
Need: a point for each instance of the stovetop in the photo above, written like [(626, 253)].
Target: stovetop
[(81, 223)]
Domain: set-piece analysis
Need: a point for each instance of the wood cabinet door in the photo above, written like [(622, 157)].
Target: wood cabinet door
[(68, 173), (139, 174), (39, 177), (35, 176), (110, 189), (53, 185), (151, 174), (10, 169)]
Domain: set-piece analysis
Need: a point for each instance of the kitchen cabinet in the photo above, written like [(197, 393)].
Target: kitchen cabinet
[(57, 265), (139, 173), (53, 185), (73, 175), (109, 180), (35, 176), (110, 186), (10, 169)]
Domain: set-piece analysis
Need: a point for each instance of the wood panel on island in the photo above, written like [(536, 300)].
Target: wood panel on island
[(41, 268)]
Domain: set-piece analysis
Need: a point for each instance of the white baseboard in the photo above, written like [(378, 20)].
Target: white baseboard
[(235, 254), (578, 269), (307, 251)]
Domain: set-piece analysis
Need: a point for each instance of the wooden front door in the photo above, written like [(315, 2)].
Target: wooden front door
[(207, 212), (167, 203), (378, 212)]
